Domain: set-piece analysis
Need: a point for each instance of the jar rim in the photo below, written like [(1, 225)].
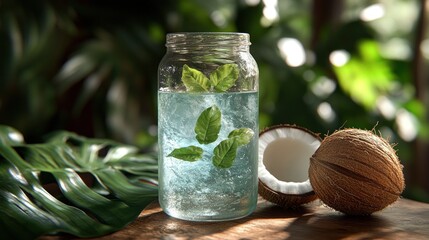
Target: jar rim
[(208, 33), (207, 38)]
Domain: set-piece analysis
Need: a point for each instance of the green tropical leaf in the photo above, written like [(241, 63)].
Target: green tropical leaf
[(224, 77), (190, 154), (208, 125), (71, 184), (225, 153), (194, 80), (242, 135), (10, 136)]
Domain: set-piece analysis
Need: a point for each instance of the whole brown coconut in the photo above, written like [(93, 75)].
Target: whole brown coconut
[(356, 172)]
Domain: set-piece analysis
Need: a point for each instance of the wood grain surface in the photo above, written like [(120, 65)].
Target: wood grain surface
[(405, 219)]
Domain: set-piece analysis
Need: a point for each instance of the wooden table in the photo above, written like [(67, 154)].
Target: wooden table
[(405, 219)]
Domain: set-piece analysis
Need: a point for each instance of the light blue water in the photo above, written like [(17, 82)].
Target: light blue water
[(198, 190)]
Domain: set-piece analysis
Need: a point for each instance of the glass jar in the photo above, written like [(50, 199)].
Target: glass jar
[(208, 126)]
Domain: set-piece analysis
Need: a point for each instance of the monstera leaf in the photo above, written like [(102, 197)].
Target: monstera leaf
[(71, 184)]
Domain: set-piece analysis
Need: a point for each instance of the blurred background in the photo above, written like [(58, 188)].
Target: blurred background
[(91, 67)]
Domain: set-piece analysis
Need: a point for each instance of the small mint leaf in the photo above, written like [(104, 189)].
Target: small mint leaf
[(224, 77), (208, 125), (194, 80), (242, 135), (190, 154), (224, 153)]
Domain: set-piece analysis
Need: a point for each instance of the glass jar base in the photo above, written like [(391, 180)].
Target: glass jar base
[(208, 218)]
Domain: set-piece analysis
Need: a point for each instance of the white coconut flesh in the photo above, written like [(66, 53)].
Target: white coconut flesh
[(284, 159)]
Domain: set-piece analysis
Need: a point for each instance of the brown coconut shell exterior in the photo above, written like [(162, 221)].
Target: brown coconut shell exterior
[(356, 172), (282, 199)]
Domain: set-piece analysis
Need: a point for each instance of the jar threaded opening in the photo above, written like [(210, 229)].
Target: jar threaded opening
[(207, 39)]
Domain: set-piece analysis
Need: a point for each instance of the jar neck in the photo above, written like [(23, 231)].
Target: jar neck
[(207, 41)]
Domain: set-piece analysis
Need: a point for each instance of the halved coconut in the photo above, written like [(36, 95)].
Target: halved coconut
[(284, 160)]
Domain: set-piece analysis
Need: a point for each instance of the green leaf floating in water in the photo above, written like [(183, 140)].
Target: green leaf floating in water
[(42, 187), (221, 79), (190, 154), (224, 77), (208, 125), (194, 80), (243, 136), (225, 153)]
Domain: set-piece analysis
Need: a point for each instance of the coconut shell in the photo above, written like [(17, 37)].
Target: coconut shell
[(356, 172), (285, 200)]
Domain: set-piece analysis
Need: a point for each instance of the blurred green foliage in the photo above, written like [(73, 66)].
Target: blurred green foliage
[(91, 66)]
